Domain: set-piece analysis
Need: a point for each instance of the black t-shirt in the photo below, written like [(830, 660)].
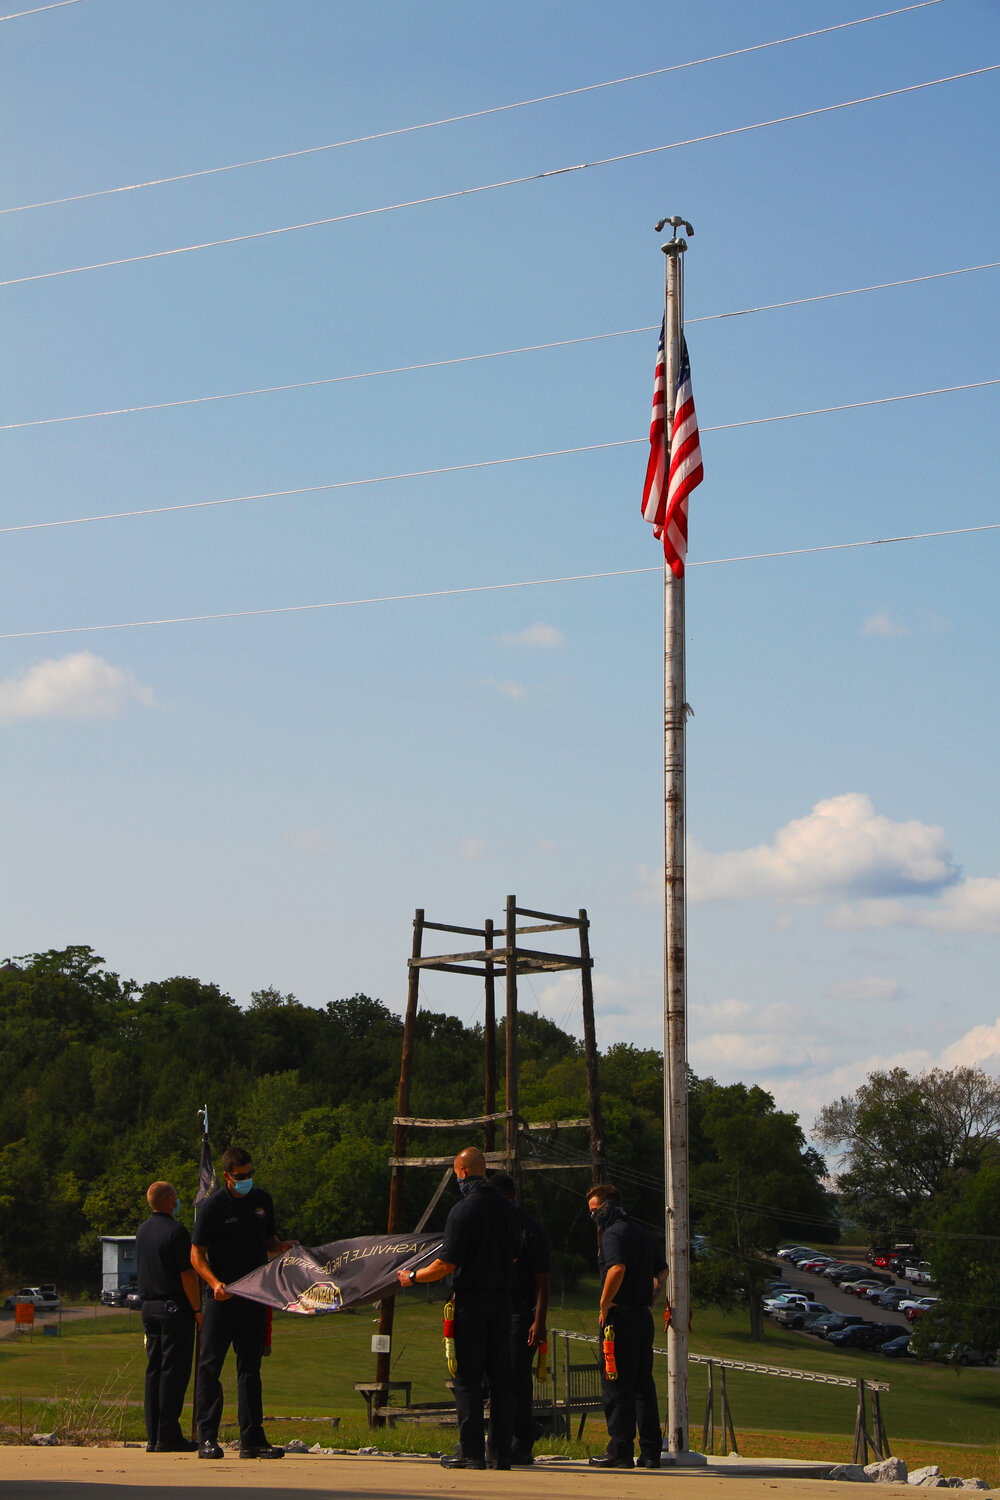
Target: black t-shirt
[(481, 1239), (234, 1231), (163, 1251), (624, 1243), (533, 1256)]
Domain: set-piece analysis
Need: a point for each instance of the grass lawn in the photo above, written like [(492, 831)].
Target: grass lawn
[(933, 1414)]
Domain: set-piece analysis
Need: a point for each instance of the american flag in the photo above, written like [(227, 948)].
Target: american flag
[(665, 493)]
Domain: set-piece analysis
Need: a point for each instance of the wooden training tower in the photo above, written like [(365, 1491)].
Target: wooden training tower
[(501, 957)]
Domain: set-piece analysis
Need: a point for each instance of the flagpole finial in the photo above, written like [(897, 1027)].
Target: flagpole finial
[(675, 221)]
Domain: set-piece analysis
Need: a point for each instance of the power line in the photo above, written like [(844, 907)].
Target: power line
[(477, 114), (462, 359), (490, 187), (488, 588), (483, 463), (58, 4)]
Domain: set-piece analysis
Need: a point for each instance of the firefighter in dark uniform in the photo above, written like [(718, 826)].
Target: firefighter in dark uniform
[(169, 1291), (630, 1278), (481, 1239), (233, 1234), (530, 1301)]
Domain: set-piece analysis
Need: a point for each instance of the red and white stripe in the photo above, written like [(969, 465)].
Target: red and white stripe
[(654, 489), (686, 472)]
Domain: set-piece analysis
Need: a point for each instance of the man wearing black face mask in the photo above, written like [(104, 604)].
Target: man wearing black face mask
[(631, 1273), (232, 1236), (481, 1240)]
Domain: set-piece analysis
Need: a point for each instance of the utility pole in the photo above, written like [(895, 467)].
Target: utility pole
[(675, 712)]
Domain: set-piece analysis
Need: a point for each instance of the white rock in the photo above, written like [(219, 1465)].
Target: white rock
[(296, 1445), (850, 1471), (887, 1471), (44, 1440), (974, 1484), (922, 1476)]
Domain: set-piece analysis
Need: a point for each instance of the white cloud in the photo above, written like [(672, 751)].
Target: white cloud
[(78, 686), (540, 636), (508, 688), (308, 841), (976, 1049), (841, 848), (972, 905), (882, 623), (874, 987), (473, 848)]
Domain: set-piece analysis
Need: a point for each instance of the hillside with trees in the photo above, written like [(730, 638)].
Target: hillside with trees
[(101, 1081)]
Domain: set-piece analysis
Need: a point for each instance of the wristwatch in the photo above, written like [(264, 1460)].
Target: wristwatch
[(413, 1277)]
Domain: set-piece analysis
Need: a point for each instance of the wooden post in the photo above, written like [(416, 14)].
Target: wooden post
[(513, 1164), (879, 1435), (728, 1430), (490, 1038), (860, 1434), (383, 1362), (708, 1428), (590, 1053)]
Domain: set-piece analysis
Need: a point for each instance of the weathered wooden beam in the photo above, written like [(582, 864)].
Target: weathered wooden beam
[(449, 1124), (551, 1124), (493, 1159), (448, 968), (447, 927), (547, 916), (528, 1165)]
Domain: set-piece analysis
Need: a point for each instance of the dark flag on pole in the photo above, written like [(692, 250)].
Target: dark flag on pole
[(328, 1278), (207, 1182)]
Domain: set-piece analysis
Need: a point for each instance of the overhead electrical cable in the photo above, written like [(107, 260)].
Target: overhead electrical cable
[(476, 114), (490, 187), (482, 463), (489, 588), (463, 359), (55, 5)]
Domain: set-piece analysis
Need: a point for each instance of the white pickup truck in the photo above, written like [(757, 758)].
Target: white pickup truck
[(918, 1273)]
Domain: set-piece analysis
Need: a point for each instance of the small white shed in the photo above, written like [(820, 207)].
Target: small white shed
[(118, 1262)]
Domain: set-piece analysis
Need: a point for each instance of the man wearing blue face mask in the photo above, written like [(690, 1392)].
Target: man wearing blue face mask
[(233, 1235), (169, 1291)]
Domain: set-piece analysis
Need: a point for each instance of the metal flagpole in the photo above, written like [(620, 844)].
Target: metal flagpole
[(674, 928)]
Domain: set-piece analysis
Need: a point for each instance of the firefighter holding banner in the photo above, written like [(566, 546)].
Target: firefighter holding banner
[(233, 1235), (481, 1240)]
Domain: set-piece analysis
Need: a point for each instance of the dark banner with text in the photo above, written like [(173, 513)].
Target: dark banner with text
[(328, 1278)]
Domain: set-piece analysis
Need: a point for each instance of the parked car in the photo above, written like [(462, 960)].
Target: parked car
[(833, 1322), (787, 1251), (918, 1274), (117, 1296), (891, 1296), (795, 1316), (965, 1354), (862, 1336), (914, 1310), (898, 1348), (879, 1255), (786, 1299), (43, 1299), (816, 1264), (858, 1288), (841, 1273)]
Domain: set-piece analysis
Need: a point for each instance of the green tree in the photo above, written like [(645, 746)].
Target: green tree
[(757, 1182), (900, 1135), (960, 1229)]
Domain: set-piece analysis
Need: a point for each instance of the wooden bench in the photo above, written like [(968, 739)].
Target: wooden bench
[(581, 1392), (370, 1389)]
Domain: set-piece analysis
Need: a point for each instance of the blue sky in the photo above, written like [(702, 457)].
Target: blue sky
[(266, 799)]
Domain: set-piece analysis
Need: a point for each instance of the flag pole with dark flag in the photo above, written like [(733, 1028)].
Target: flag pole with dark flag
[(673, 471), (207, 1184)]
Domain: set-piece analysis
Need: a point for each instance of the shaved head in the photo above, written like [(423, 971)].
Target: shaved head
[(472, 1161), (160, 1196)]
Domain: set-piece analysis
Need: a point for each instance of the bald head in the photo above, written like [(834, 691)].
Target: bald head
[(161, 1197), (470, 1163)]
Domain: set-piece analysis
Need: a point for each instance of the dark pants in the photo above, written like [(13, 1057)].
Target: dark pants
[(522, 1358), (243, 1325), (630, 1401), (482, 1348), (169, 1346)]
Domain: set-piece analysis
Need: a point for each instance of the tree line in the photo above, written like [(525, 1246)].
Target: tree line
[(101, 1081)]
